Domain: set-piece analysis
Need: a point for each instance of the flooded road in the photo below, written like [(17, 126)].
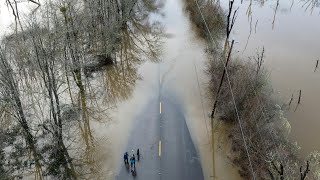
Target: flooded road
[(289, 32), (181, 71), (118, 96)]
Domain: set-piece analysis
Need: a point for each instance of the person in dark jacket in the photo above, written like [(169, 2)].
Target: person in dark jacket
[(138, 154), (125, 158)]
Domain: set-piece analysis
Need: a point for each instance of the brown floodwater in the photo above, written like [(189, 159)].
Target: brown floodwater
[(181, 70), (183, 67), (289, 32)]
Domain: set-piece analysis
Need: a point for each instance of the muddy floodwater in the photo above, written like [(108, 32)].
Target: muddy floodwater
[(180, 71), (289, 32)]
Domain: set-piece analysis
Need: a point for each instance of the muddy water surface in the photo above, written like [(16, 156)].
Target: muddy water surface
[(289, 33), (180, 71), (183, 69)]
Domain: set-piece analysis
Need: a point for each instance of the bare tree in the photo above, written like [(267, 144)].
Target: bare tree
[(230, 19), (259, 60), (303, 174), (280, 171), (10, 89), (52, 56)]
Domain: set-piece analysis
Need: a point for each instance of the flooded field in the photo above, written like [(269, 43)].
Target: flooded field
[(288, 30)]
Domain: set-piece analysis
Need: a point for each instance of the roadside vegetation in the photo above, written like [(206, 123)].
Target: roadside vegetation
[(213, 15), (258, 128), (62, 68)]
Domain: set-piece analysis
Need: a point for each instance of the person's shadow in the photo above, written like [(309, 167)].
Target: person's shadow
[(134, 173), (127, 167)]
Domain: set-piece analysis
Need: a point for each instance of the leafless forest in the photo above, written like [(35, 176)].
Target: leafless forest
[(62, 67)]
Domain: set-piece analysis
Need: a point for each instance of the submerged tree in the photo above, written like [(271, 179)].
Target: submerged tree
[(52, 59), (11, 98)]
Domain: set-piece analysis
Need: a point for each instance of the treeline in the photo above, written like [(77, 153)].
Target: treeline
[(49, 93), (242, 97)]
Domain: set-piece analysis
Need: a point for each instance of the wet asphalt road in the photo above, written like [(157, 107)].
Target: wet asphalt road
[(166, 148)]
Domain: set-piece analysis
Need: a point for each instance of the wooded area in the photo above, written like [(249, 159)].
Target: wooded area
[(62, 68)]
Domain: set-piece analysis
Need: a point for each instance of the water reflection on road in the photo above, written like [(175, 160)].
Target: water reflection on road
[(118, 91), (289, 35), (182, 65)]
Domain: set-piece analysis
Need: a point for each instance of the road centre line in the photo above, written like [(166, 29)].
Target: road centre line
[(159, 148)]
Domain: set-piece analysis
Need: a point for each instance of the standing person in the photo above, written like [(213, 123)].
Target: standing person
[(134, 161), (125, 158), (131, 162), (138, 154)]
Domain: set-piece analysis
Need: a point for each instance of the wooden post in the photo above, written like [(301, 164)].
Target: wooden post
[(214, 107), (213, 149), (298, 100), (290, 101), (316, 66)]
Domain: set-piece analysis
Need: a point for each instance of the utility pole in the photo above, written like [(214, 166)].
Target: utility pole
[(221, 81), (214, 108), (213, 150)]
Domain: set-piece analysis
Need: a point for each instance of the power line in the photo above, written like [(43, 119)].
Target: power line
[(232, 95), (262, 108), (204, 116), (205, 121)]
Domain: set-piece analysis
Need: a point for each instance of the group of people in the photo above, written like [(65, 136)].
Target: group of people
[(132, 159)]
